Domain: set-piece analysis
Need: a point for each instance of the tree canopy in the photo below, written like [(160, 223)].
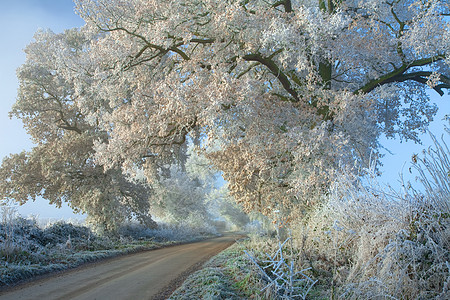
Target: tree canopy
[(61, 166), (283, 92)]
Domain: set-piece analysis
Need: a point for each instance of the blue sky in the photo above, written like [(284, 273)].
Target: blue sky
[(20, 19)]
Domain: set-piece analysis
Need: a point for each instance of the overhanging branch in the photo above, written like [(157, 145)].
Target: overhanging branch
[(276, 71), (400, 75), (422, 77)]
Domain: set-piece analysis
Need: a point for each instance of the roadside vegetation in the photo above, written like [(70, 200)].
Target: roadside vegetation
[(363, 241)]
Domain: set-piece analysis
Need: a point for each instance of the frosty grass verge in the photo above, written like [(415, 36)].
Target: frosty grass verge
[(237, 273)]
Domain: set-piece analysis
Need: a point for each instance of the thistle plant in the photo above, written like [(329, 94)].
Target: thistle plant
[(280, 271)]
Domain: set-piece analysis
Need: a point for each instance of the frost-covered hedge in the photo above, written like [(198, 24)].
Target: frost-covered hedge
[(369, 242), (27, 250)]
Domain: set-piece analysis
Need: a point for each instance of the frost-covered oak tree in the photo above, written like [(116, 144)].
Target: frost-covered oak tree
[(285, 92), (61, 166)]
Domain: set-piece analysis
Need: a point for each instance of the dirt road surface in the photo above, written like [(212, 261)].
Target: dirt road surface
[(151, 274)]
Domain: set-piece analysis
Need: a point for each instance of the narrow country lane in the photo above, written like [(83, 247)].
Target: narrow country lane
[(146, 275)]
